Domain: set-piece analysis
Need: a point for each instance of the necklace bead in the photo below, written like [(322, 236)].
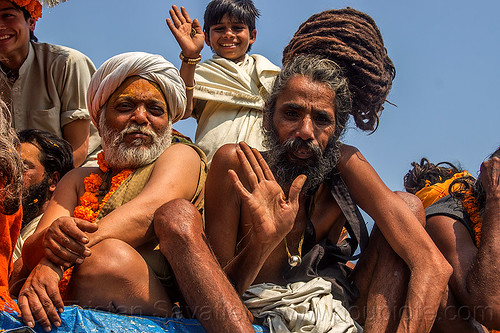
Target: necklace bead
[(294, 261)]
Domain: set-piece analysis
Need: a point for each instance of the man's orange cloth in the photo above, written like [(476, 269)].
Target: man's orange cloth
[(432, 193), (10, 225)]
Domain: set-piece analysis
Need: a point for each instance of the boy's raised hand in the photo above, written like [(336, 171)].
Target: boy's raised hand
[(187, 32)]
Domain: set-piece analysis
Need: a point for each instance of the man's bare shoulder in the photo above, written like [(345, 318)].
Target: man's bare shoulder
[(226, 157), (178, 164), (349, 153), (179, 151), (447, 226), (76, 176)]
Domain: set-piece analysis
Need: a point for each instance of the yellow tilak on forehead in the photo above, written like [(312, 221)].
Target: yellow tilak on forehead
[(133, 90)]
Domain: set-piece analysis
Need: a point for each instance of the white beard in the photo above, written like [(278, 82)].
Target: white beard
[(121, 155)]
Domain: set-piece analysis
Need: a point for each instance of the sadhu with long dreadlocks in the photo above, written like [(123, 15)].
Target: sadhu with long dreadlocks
[(464, 225), (11, 182), (281, 235)]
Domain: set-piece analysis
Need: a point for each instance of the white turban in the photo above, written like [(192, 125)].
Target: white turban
[(152, 67)]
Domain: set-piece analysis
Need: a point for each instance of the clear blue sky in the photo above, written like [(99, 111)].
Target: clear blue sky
[(445, 53)]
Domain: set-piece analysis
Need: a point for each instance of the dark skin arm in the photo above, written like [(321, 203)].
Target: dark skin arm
[(272, 215), (181, 26), (429, 270), (77, 134), (474, 282)]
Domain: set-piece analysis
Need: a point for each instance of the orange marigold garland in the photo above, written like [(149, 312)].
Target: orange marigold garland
[(103, 165), (34, 7), (471, 205), (89, 207)]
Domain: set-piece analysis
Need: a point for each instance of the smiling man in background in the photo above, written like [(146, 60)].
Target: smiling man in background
[(44, 85)]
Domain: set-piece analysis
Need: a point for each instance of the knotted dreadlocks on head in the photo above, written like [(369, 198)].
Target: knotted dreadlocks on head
[(352, 40), (426, 172)]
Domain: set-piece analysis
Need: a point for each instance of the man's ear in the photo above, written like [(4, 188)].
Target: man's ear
[(31, 23), (253, 36), (207, 39), (54, 178)]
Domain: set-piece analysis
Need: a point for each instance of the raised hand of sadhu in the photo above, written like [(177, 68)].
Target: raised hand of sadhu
[(272, 213)]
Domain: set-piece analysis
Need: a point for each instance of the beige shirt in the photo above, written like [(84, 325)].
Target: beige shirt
[(27, 231), (50, 91)]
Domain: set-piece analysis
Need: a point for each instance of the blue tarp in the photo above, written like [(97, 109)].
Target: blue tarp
[(76, 319)]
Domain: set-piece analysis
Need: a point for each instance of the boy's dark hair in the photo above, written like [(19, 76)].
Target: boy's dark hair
[(238, 10), (27, 16), (56, 153)]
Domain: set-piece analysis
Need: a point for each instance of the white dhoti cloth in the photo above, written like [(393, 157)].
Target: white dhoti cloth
[(234, 95), (299, 307)]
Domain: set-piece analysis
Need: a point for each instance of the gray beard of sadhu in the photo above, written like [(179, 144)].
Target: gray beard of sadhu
[(286, 168)]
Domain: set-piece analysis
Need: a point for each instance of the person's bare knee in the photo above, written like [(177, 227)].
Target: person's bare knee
[(116, 278), (415, 205), (177, 218), (110, 260), (108, 257)]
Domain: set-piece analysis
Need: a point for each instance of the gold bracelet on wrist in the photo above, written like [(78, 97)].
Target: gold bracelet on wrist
[(191, 87), (189, 61)]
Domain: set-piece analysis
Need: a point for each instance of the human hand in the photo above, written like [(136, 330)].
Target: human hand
[(272, 214), (65, 241), (490, 176), (39, 298), (188, 33)]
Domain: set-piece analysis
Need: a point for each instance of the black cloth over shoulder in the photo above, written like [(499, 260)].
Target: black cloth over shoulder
[(448, 206), (328, 260)]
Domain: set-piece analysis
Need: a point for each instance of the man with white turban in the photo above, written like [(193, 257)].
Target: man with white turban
[(117, 237)]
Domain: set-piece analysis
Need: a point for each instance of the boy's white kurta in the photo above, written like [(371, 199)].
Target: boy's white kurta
[(235, 95)]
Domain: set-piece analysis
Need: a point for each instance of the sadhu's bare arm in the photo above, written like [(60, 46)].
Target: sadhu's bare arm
[(429, 270), (175, 176), (271, 214), (482, 283)]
